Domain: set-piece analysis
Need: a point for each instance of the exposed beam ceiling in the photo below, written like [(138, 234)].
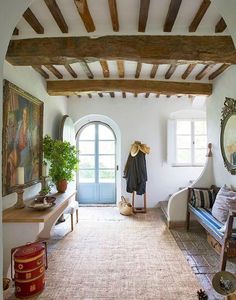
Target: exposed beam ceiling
[(133, 86), (143, 15), (146, 49), (188, 71), (138, 70), (121, 68), (57, 15), (114, 15), (220, 26), (33, 21), (199, 15), (218, 71), (172, 15), (85, 15)]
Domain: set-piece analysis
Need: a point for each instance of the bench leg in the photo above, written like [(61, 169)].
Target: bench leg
[(223, 257), (77, 215), (188, 220), (72, 221)]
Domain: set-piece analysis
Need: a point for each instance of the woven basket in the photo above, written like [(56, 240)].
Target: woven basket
[(125, 207)]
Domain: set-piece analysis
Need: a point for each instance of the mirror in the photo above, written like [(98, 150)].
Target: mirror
[(67, 132), (228, 135)]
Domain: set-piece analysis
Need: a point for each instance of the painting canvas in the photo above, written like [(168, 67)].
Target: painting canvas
[(22, 137)]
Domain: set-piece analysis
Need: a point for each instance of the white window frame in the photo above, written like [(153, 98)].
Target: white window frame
[(172, 145)]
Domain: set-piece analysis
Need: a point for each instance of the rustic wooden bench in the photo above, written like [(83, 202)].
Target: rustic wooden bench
[(227, 240)]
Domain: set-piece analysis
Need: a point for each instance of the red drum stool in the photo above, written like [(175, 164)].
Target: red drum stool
[(30, 263)]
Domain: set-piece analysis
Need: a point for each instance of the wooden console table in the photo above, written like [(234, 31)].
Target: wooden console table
[(21, 226)]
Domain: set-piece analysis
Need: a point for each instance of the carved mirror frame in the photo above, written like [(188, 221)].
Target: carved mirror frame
[(228, 135)]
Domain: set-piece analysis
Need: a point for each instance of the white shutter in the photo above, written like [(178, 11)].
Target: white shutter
[(171, 138)]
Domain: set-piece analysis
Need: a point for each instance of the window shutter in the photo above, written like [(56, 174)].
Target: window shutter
[(171, 148)]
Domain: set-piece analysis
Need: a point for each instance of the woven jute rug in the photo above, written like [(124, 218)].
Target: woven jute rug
[(110, 256)]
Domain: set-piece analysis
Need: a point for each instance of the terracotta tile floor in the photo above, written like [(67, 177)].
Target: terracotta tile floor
[(203, 260)]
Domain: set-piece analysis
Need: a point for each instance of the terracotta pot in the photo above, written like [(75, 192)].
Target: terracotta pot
[(62, 186)]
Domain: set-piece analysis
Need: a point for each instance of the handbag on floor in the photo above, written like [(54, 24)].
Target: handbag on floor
[(125, 207)]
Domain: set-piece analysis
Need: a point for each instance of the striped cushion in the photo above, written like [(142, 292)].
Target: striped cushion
[(205, 215), (202, 198)]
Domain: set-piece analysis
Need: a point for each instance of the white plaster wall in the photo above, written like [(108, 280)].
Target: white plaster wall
[(54, 108), (144, 120), (224, 86)]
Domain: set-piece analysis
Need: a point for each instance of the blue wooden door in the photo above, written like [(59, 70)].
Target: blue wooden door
[(96, 180)]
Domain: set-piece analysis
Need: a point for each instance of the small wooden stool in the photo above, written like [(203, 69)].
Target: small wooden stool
[(71, 209), (139, 209)]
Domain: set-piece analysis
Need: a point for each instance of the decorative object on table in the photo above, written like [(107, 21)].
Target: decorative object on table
[(202, 295), (30, 263), (22, 137), (6, 283), (224, 283), (45, 185), (42, 202), (20, 201), (63, 161), (125, 207), (228, 135), (135, 173)]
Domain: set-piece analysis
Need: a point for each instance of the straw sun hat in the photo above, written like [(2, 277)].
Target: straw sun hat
[(136, 146)]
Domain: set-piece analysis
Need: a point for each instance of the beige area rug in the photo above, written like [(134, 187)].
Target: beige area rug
[(109, 256)]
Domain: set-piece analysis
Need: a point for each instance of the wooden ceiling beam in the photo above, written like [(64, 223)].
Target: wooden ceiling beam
[(16, 31), (33, 21), (132, 86), (41, 71), (220, 70), (154, 71), (188, 71), (112, 94), (82, 7), (86, 69), (138, 70), (123, 95), (121, 68), (220, 26), (170, 71), (144, 49), (203, 72), (54, 71), (147, 95), (105, 68), (143, 15), (71, 71), (57, 15), (199, 15), (100, 95), (172, 15), (114, 15)]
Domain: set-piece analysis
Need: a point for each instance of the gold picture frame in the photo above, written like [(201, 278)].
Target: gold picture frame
[(22, 137)]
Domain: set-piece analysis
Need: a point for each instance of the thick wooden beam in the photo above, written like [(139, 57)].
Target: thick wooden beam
[(41, 71), (16, 31), (188, 71), (85, 15), (33, 21), (71, 71), (170, 71), (220, 26), (143, 15), (154, 71), (145, 49), (86, 69), (132, 86), (199, 15), (57, 15), (172, 14), (114, 15), (138, 70), (54, 71), (121, 68), (220, 70), (105, 69), (203, 72)]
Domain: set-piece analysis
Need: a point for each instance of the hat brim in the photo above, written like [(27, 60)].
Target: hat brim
[(226, 276), (134, 150)]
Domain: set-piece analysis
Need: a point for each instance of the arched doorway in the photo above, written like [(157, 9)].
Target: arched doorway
[(96, 178)]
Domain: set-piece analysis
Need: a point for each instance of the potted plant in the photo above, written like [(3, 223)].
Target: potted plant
[(63, 162)]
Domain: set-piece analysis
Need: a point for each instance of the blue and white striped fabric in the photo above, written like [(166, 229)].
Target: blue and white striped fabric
[(205, 215)]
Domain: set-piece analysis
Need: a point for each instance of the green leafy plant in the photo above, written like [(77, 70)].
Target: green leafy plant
[(62, 158)]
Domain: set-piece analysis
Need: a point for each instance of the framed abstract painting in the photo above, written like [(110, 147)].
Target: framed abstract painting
[(22, 138)]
